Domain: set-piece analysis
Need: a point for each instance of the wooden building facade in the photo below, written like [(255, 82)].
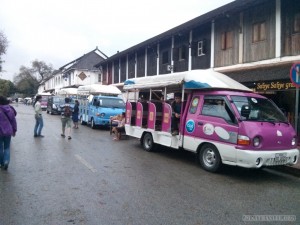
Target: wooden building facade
[(253, 41)]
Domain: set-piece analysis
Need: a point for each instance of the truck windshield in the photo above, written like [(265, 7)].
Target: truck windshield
[(111, 103), (45, 98), (57, 100), (259, 109)]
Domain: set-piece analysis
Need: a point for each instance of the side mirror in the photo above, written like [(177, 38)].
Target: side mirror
[(245, 111)]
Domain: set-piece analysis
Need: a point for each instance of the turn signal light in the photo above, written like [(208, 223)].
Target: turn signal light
[(243, 140)]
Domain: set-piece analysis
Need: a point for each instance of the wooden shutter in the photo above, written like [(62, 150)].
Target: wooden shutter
[(223, 41), (194, 50)]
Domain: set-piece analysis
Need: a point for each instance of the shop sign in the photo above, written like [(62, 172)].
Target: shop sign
[(295, 74), (274, 86)]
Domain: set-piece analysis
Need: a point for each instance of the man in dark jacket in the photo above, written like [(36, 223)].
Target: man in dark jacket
[(176, 107)]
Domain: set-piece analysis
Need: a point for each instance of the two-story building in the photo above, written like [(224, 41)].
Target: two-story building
[(81, 71), (253, 41)]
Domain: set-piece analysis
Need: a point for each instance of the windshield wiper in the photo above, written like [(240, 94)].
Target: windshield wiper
[(268, 121), (285, 122)]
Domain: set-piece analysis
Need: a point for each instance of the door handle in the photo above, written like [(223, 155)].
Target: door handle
[(200, 123)]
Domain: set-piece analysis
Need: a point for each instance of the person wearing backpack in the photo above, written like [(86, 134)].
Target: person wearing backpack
[(66, 119)]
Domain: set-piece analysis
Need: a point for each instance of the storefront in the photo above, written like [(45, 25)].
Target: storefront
[(273, 82), (282, 92)]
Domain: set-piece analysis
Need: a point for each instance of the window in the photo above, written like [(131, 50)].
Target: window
[(165, 57), (201, 45), (216, 106), (227, 41), (259, 32), (297, 23)]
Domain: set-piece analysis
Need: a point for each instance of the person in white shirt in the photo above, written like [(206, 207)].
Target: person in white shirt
[(39, 123)]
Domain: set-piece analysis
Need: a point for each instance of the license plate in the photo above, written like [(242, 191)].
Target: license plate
[(280, 157)]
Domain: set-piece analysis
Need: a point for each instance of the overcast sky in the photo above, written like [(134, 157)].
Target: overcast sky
[(59, 31)]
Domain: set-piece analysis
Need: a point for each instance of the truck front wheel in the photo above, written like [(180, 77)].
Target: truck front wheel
[(81, 121), (93, 125), (147, 142), (209, 158)]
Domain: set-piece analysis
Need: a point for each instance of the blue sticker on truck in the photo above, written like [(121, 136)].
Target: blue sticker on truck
[(190, 126)]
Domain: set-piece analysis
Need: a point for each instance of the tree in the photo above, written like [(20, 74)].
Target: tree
[(29, 79), (3, 47), (42, 70), (25, 82), (7, 88)]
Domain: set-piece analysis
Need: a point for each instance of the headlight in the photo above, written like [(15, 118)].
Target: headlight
[(53, 106), (100, 114), (256, 141), (294, 141)]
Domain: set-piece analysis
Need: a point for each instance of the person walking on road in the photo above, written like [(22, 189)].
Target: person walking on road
[(8, 128), (39, 123), (66, 119), (75, 114)]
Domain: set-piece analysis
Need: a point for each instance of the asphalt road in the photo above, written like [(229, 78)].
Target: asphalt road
[(94, 180)]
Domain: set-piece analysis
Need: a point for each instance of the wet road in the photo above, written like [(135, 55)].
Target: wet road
[(93, 180)]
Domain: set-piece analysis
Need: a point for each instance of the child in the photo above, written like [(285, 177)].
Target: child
[(121, 126)]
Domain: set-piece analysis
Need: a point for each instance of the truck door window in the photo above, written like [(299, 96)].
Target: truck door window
[(194, 105), (94, 102), (218, 107)]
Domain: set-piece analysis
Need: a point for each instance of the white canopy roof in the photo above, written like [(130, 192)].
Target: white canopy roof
[(194, 79), (68, 91), (97, 89), (44, 93)]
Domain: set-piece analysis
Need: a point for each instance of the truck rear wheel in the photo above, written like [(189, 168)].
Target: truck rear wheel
[(147, 142), (209, 158)]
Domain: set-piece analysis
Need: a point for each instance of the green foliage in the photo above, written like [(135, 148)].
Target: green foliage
[(29, 78), (7, 88)]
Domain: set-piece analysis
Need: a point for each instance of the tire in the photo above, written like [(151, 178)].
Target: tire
[(147, 142), (81, 121), (93, 126), (209, 158)]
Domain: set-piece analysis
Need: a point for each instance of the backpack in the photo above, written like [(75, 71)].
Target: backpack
[(67, 111)]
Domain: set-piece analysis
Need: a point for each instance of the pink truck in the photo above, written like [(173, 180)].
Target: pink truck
[(221, 120), (44, 101)]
